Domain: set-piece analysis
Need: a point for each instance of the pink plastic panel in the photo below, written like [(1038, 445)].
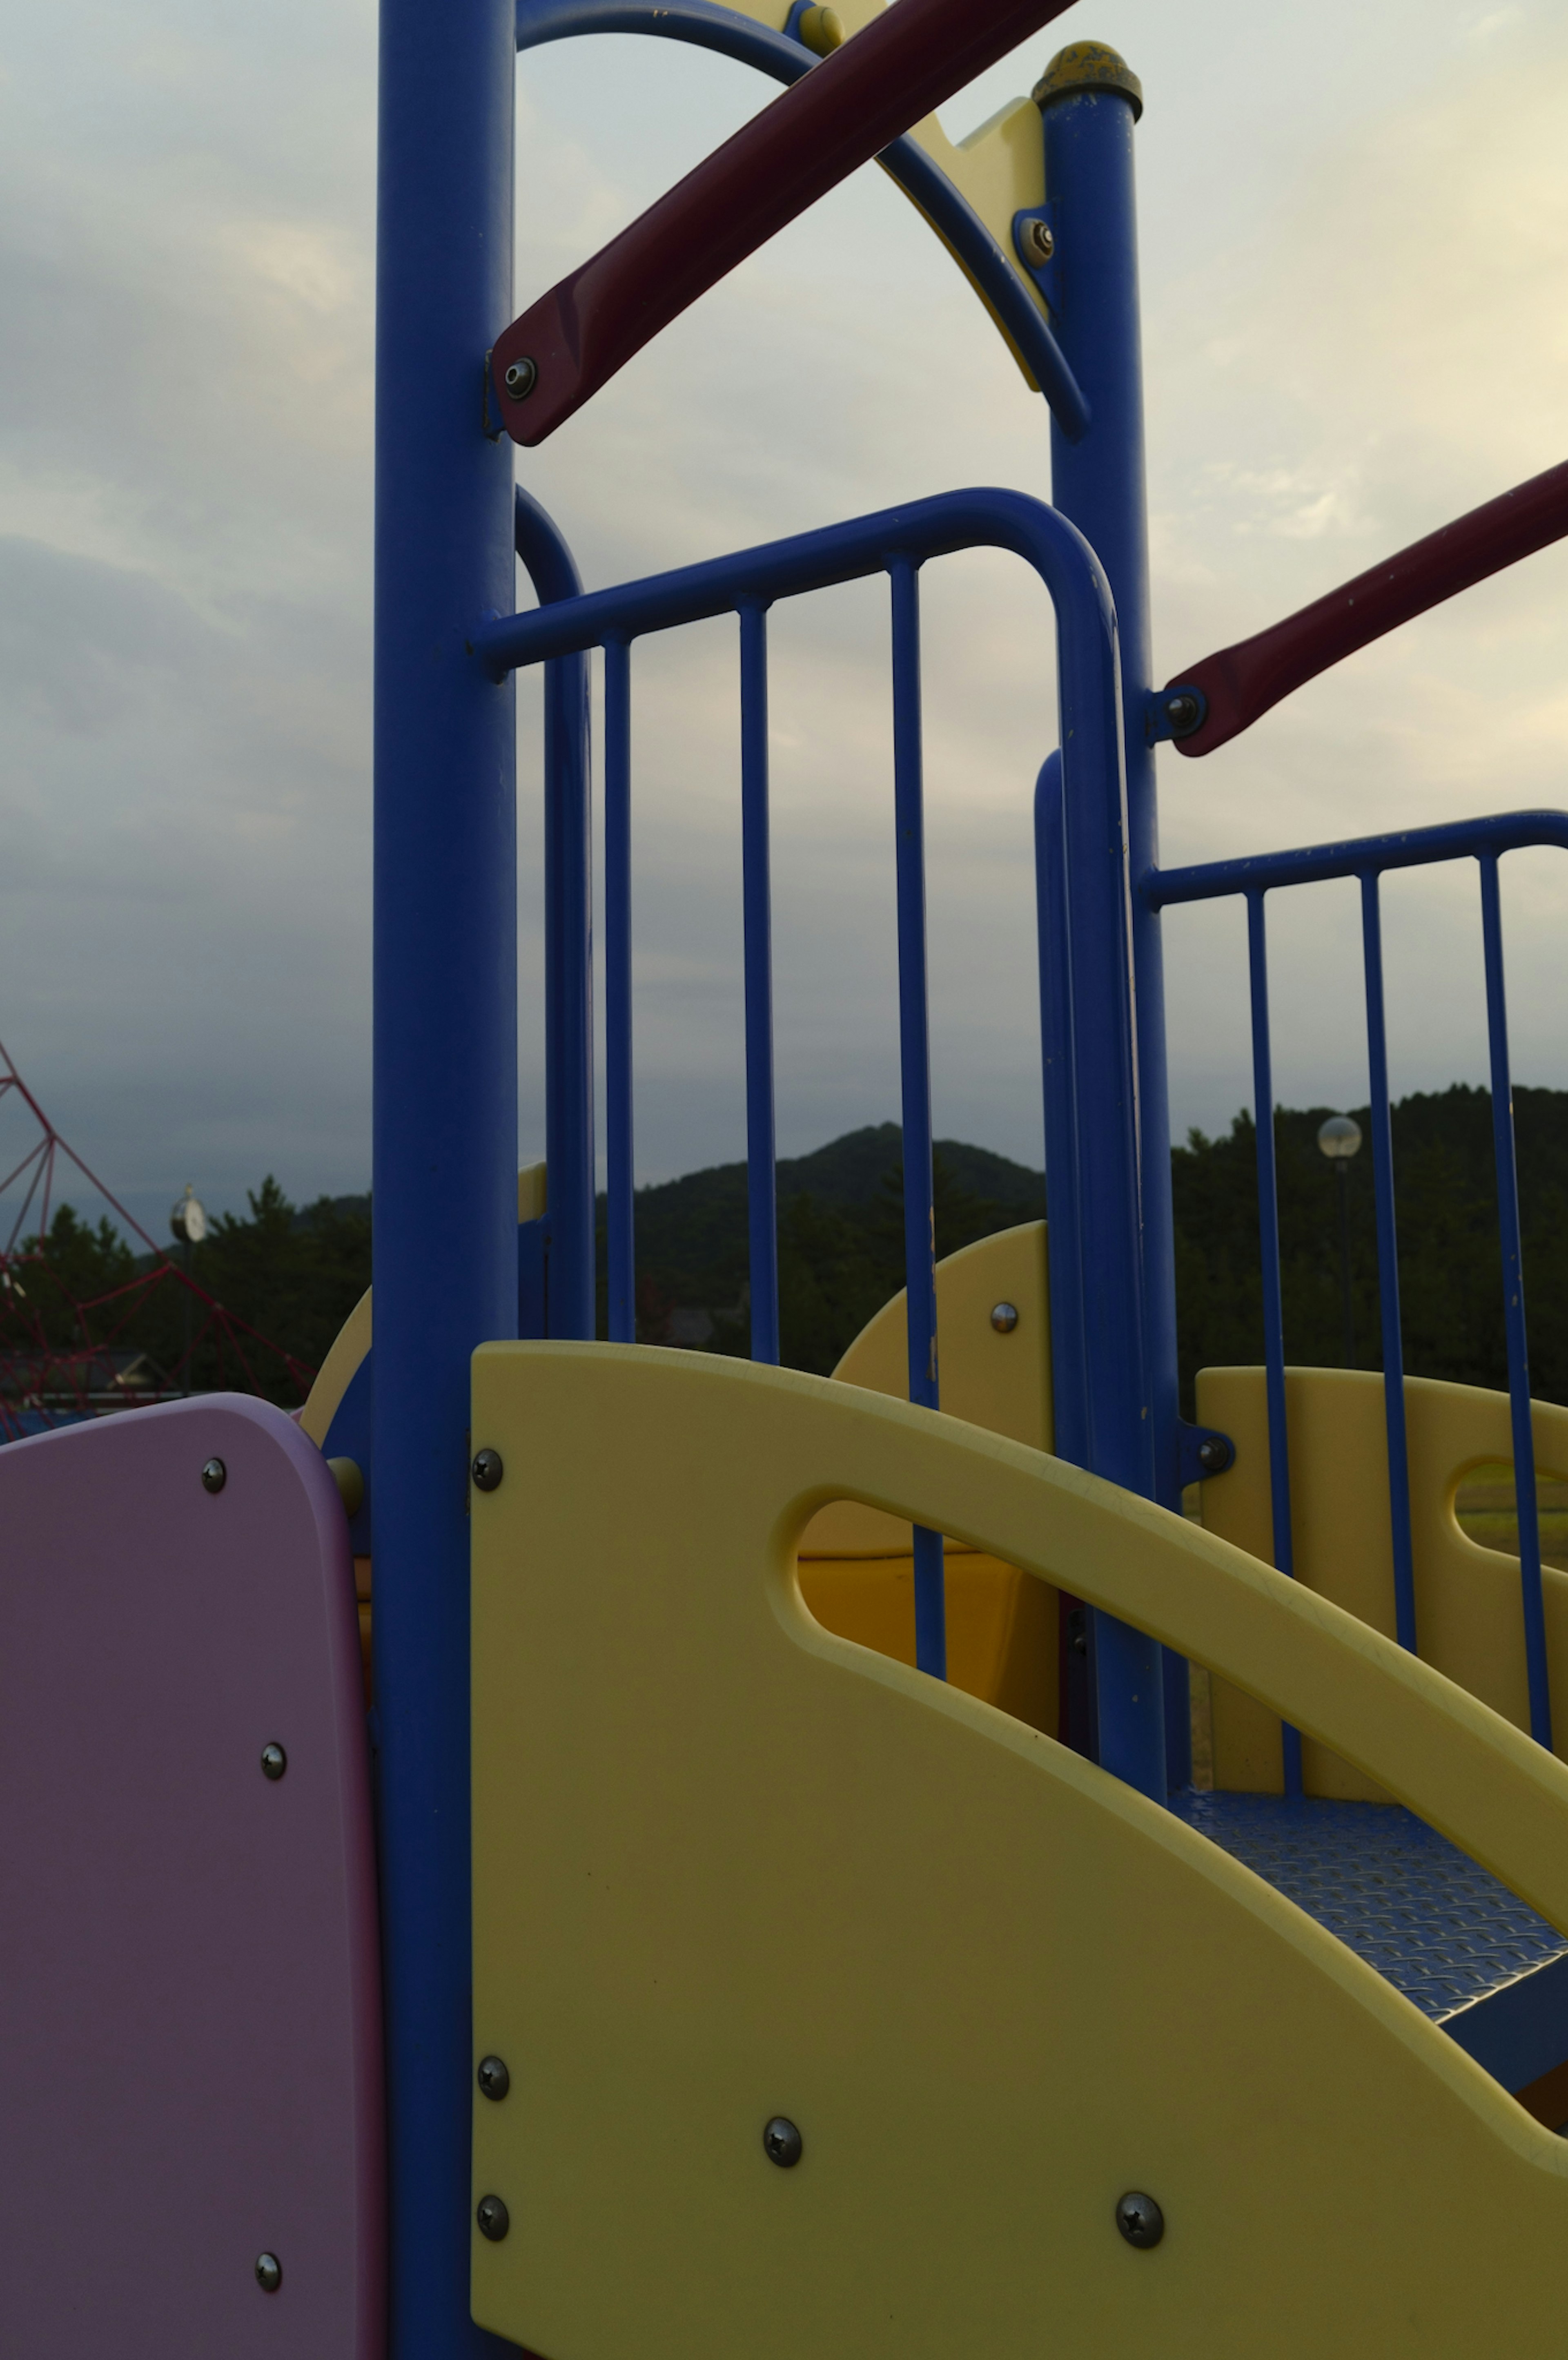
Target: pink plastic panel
[(189, 2005)]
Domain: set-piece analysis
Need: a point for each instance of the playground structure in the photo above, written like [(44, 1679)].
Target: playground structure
[(788, 1907)]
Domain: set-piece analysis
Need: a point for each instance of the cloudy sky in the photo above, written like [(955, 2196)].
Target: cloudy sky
[(1356, 278)]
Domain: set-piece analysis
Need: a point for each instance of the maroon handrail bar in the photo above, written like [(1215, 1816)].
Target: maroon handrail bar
[(893, 73), (1241, 682)]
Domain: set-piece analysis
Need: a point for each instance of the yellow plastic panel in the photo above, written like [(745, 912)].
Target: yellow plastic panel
[(1469, 1622), (858, 1564), (727, 1865)]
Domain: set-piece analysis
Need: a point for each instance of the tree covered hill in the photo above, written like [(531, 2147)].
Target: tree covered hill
[(295, 1274)]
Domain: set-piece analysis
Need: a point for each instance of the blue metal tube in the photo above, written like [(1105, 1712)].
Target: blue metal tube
[(984, 518), (1070, 1417), (1273, 1299), (991, 271), (1513, 1308), (1412, 848), (445, 1072), (569, 997), (761, 1176), (1388, 1271), (620, 1173), (914, 1065), (1098, 480)]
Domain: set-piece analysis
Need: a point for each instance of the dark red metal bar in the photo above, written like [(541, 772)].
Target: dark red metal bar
[(836, 118), (1240, 683)]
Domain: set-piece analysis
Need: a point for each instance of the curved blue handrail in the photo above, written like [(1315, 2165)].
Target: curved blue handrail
[(704, 25)]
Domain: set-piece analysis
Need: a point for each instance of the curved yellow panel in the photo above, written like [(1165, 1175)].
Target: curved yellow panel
[(349, 1347), (1469, 1622), (857, 1571), (728, 1867)]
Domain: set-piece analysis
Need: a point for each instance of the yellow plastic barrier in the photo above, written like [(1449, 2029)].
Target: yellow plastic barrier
[(728, 1867), (857, 1567), (1469, 1622)]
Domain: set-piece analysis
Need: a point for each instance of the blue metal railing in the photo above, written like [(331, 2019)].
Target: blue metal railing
[(1367, 859), (896, 542)]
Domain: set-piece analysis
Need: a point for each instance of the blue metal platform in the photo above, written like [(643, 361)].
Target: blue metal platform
[(1464, 1948)]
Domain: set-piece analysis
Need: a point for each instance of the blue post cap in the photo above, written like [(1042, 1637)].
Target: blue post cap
[(1087, 65)]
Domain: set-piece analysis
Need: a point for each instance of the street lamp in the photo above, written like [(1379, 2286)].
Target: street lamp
[(1339, 1138), (189, 1222)]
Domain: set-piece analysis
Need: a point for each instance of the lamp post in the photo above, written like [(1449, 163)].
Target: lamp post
[(189, 1223), (1339, 1138)]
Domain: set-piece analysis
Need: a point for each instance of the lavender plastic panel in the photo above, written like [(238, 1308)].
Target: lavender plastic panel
[(190, 2000)]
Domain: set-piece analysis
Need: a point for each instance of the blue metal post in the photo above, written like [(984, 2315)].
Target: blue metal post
[(1098, 481), (1387, 1267), (620, 1177), (569, 997), (757, 889), (914, 1062), (1053, 918), (445, 1069), (1273, 1297), (1513, 1308)]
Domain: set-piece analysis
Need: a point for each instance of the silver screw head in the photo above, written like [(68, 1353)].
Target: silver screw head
[(1183, 713), (274, 1762), (1004, 1318), (494, 2080), (215, 1475), (269, 2273), (782, 2142), (487, 1470), (1040, 241), (520, 380), (1214, 1453), (493, 2218), (1139, 2219)]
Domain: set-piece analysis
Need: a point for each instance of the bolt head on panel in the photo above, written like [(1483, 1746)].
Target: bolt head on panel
[(274, 1762), (215, 1475), (782, 2142), (1139, 2219), (1004, 1318), (493, 2218), (487, 1470), (269, 2273), (495, 2079), (520, 380)]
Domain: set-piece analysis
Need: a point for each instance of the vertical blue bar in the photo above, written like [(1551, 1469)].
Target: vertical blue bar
[(1100, 483), (1513, 1307), (761, 1177), (1273, 1299), (446, 1070), (620, 1212), (569, 997), (1388, 1268), (914, 1065), (1068, 1383)]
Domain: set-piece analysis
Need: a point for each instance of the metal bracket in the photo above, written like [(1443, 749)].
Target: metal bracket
[(494, 430), (1174, 712), (1037, 245), (1202, 1451)]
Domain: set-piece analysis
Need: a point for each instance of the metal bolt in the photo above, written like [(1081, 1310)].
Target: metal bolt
[(1139, 2219), (494, 2080), (1214, 1453), (215, 1475), (782, 2142), (274, 1762), (520, 380), (1004, 1318), (1183, 713), (1039, 240), (487, 1470), (269, 2273), (493, 2218)]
